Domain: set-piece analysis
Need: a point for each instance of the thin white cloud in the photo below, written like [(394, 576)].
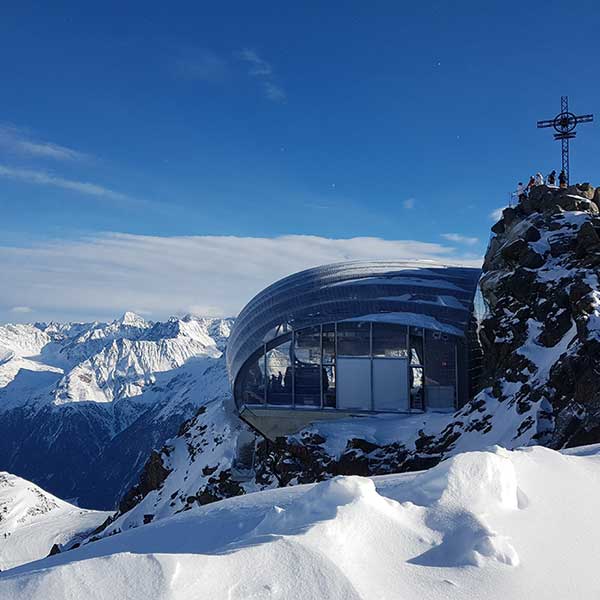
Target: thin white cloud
[(496, 214), (460, 239), (203, 65), (260, 68), (15, 140), (21, 309), (409, 203), (44, 178), (274, 92), (257, 66), (103, 276)]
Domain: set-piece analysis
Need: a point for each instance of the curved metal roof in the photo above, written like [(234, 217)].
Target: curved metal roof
[(420, 293)]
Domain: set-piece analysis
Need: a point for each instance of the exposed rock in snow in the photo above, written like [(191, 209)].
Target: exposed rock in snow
[(33, 521), (196, 467), (541, 335), (83, 405), (495, 525)]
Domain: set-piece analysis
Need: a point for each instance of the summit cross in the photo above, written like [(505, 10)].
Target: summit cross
[(564, 124)]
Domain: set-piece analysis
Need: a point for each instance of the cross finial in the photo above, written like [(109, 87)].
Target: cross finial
[(564, 124)]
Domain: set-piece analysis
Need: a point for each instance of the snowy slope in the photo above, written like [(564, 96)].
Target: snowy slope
[(496, 524), (33, 521), (83, 404), (194, 467)]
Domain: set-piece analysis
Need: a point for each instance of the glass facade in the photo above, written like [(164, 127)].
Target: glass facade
[(367, 336), (388, 367)]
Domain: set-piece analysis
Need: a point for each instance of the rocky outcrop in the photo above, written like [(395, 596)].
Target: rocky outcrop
[(152, 477), (540, 335)]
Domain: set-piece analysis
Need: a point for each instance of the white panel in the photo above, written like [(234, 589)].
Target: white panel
[(439, 397), (390, 384), (353, 385)]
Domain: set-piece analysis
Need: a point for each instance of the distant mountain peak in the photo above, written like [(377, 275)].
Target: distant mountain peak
[(132, 319)]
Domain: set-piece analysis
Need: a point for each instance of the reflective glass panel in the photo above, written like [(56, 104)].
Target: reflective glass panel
[(279, 374), (253, 381), (416, 346), (307, 368), (354, 339), (329, 386), (307, 346), (440, 371), (389, 340), (439, 359), (328, 344), (416, 387)]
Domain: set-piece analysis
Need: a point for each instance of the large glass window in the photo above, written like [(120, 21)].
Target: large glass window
[(354, 339), (416, 388), (252, 381), (329, 386), (328, 344), (329, 397), (439, 359), (303, 370), (279, 374), (308, 373), (416, 346), (440, 375), (307, 346), (389, 340)]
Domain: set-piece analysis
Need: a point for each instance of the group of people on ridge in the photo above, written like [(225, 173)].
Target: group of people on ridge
[(538, 179)]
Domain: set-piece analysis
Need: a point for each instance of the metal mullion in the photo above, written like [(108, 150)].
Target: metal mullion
[(321, 365), (293, 359), (372, 400), (335, 349), (456, 375), (408, 368), (266, 374), (423, 368)]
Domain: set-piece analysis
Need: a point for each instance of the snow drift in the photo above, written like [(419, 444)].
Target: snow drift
[(491, 524)]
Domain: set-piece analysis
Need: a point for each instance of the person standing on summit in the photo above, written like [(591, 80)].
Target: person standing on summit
[(539, 179), (551, 179), (531, 183), (562, 179)]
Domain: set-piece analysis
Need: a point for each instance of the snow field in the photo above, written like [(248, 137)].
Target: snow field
[(492, 524)]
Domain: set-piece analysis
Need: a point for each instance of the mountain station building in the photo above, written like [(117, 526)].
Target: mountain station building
[(350, 339)]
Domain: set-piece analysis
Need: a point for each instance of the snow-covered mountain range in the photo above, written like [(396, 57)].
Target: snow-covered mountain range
[(33, 522), (83, 404)]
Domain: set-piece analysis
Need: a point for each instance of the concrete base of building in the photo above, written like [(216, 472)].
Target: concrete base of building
[(275, 422)]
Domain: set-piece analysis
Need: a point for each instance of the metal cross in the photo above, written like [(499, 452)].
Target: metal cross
[(564, 124)]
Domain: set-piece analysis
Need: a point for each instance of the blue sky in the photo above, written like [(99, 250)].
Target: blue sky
[(386, 120)]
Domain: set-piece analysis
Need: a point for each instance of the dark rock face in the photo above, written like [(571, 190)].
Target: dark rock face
[(152, 477), (541, 329)]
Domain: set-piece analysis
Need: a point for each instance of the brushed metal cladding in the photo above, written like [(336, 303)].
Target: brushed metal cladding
[(421, 293)]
